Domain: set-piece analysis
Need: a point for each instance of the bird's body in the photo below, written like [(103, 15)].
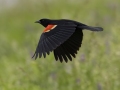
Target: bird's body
[(63, 36)]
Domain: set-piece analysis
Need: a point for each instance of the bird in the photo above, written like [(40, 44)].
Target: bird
[(63, 37)]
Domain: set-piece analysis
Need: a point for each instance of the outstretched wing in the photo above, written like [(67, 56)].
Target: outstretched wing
[(52, 37), (69, 48)]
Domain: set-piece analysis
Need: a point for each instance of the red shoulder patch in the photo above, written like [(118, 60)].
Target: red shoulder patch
[(49, 27)]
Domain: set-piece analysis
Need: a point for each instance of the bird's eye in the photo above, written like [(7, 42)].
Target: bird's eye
[(43, 20)]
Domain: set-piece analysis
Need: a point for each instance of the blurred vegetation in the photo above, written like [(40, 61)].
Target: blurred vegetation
[(97, 65)]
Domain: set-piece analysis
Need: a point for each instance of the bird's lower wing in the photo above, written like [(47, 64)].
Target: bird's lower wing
[(69, 48)]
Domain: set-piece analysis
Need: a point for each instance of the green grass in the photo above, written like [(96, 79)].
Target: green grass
[(97, 65)]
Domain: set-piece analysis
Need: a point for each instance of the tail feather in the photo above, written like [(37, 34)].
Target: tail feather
[(92, 28)]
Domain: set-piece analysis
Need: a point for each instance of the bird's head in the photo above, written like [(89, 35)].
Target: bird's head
[(43, 22)]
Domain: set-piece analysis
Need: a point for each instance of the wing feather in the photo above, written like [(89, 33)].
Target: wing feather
[(71, 46), (49, 41)]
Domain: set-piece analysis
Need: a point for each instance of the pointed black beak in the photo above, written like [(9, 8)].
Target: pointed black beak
[(37, 21)]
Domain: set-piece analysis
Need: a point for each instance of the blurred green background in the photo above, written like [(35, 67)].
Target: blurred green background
[(97, 65)]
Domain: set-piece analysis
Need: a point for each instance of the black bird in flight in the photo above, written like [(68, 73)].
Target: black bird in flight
[(63, 37)]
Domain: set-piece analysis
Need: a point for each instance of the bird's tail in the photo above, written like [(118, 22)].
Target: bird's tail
[(92, 28)]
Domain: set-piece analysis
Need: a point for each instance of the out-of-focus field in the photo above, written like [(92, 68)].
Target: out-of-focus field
[(97, 65)]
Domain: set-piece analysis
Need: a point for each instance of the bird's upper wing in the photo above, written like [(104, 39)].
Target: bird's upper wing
[(52, 37)]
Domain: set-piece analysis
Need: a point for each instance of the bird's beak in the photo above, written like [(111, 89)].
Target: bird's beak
[(37, 21)]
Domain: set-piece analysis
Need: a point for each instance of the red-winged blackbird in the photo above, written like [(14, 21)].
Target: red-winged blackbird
[(63, 36)]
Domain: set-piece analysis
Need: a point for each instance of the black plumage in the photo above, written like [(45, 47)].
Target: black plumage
[(63, 37)]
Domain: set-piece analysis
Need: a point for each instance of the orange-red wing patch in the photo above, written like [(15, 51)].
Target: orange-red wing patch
[(49, 27)]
